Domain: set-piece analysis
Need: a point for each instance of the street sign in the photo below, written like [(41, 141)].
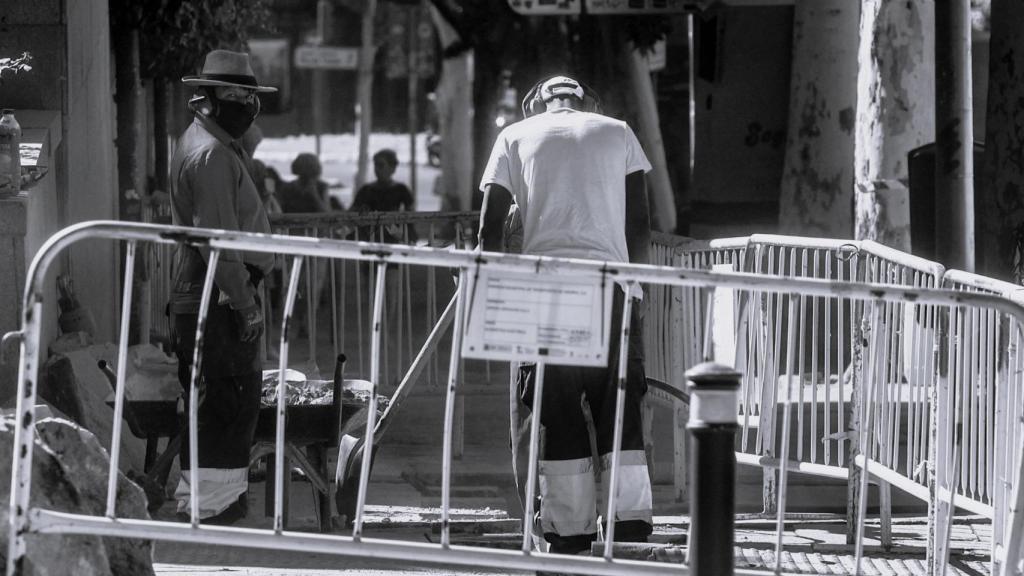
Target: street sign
[(523, 317), (640, 6), (327, 57), (546, 7)]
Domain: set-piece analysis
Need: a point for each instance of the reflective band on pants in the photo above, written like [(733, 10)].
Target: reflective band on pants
[(218, 489), (568, 497), (634, 500)]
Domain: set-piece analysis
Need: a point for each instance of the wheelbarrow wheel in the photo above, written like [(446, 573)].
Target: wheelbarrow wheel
[(347, 495)]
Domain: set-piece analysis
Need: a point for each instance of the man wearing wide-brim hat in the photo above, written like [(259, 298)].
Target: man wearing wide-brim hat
[(211, 187)]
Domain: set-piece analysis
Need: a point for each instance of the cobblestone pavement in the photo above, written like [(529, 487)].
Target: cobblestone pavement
[(404, 496), (811, 546)]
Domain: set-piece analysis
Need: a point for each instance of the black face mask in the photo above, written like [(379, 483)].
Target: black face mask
[(235, 117)]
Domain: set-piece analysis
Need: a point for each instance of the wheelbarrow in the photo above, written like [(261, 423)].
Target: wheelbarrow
[(310, 431)]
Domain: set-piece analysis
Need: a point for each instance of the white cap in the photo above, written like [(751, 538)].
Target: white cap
[(560, 86)]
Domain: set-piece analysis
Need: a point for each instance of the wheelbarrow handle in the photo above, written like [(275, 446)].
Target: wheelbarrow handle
[(129, 413), (338, 386)]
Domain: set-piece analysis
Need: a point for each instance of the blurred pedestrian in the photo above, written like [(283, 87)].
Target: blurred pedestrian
[(211, 187), (385, 195), (265, 178), (307, 193), (577, 178)]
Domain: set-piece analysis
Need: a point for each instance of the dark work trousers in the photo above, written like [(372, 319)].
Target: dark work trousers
[(566, 448), (230, 388)]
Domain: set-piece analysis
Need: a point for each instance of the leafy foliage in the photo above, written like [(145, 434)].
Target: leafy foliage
[(174, 35), (15, 65), (981, 16)]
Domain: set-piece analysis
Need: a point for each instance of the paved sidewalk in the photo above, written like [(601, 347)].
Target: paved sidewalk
[(405, 494)]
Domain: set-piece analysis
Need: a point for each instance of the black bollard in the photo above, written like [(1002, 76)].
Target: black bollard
[(713, 396)]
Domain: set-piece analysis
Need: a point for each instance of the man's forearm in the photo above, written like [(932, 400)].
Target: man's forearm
[(497, 201)]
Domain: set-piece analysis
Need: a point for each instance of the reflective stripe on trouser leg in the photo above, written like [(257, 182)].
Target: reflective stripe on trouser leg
[(567, 497), (634, 500), (218, 489)]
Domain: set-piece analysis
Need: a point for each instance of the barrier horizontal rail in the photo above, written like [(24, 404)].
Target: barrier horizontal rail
[(24, 519)]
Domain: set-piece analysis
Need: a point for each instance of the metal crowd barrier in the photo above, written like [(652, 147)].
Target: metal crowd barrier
[(948, 385), (776, 293), (338, 295)]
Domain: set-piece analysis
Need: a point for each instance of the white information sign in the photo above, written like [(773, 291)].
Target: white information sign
[(523, 317), (327, 57)]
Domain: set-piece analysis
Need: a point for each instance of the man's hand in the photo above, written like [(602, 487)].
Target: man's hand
[(250, 323)]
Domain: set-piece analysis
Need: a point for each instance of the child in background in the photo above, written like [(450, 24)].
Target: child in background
[(385, 195), (307, 193)]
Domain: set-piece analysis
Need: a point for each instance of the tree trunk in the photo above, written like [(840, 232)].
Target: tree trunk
[(895, 113), (131, 178), (365, 89), (1002, 194), (618, 74), (954, 141), (455, 120), (816, 197), (161, 142), (129, 127), (660, 197), (487, 65)]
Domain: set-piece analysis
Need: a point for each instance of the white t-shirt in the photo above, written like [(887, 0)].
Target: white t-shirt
[(567, 170)]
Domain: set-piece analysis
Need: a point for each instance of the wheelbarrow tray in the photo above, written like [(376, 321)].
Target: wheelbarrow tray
[(307, 423), (151, 417), (304, 423)]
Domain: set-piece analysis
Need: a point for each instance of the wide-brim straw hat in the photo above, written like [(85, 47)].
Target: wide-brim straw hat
[(227, 68)]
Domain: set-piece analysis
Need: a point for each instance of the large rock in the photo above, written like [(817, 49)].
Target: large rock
[(74, 383), (69, 474)]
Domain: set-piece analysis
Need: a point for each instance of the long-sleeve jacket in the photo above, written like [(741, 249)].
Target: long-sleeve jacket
[(211, 187)]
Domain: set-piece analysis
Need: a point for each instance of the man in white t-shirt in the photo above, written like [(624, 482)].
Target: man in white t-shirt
[(577, 178)]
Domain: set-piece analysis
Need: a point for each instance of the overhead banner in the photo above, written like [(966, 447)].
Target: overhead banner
[(640, 6), (327, 57), (528, 318), (546, 7)]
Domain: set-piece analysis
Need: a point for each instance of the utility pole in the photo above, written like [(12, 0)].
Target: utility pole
[(323, 31), (364, 110), (954, 136)]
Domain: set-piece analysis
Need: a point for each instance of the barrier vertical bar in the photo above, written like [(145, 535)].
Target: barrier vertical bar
[(122, 363), (677, 342), (1014, 537), (620, 404), (449, 408), (193, 388), (371, 410), (780, 522), (282, 393), (867, 393), (531, 474), (359, 305), (712, 427), (24, 434), (828, 364)]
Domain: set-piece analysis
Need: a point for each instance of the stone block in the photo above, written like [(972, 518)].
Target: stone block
[(86, 462), (65, 478), (92, 389)]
